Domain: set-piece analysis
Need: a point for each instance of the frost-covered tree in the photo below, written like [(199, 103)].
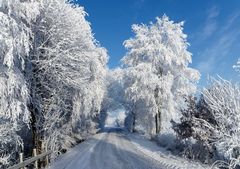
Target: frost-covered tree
[(15, 19), (158, 76), (237, 66), (215, 120), (114, 96), (192, 131), (223, 98), (66, 71), (51, 74), (140, 84)]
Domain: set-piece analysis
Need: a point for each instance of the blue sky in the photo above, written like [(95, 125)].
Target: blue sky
[(212, 26)]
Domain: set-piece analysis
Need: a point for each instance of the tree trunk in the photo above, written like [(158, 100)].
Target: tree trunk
[(158, 122), (134, 119)]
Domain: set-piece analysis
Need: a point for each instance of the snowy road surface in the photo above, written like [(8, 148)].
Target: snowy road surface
[(116, 149)]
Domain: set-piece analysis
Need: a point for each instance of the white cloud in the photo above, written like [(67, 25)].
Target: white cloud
[(226, 34), (210, 23), (209, 29), (231, 19), (213, 13), (218, 51)]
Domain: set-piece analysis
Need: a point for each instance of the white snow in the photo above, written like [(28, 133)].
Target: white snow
[(117, 149), (54, 79), (160, 154)]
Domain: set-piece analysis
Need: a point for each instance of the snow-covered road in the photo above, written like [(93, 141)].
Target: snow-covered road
[(116, 149)]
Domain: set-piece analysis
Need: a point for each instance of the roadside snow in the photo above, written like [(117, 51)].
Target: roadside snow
[(158, 153), (117, 149)]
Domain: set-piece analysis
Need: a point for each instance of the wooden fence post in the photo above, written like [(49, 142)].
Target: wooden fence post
[(42, 165), (46, 162), (34, 160), (21, 158), (34, 155)]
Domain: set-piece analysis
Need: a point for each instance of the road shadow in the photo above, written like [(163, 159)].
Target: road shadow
[(113, 130)]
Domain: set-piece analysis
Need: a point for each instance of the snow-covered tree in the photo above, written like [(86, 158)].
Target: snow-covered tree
[(192, 131), (15, 19), (214, 121), (140, 84), (66, 73), (237, 66), (158, 74), (223, 98), (51, 74), (114, 99)]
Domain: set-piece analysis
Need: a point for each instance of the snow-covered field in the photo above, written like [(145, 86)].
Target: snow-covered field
[(117, 149)]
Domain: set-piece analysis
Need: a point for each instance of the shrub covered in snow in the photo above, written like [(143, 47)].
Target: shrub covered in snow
[(214, 121)]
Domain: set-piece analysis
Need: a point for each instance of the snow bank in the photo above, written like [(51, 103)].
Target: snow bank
[(152, 150)]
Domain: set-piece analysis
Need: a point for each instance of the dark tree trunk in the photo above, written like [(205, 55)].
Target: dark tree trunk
[(158, 115), (134, 119), (158, 122)]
